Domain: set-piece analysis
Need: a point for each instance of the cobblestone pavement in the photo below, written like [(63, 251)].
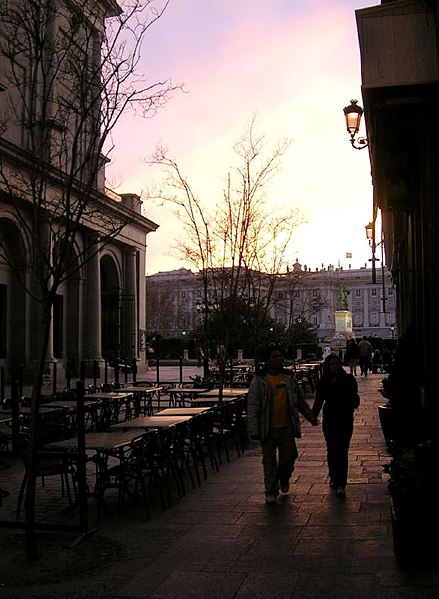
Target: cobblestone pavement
[(222, 541)]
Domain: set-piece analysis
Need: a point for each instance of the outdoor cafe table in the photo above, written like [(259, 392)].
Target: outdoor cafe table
[(179, 395), (181, 411), (212, 400), (98, 441), (70, 407), (149, 422), (142, 396), (110, 404), (103, 444), (227, 392), (24, 411)]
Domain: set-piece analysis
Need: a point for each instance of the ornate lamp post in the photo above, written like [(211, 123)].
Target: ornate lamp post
[(353, 114), (370, 234)]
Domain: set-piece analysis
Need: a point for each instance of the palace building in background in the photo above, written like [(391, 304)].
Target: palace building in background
[(174, 299)]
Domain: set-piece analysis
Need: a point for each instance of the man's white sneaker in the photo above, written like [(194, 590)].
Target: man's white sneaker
[(340, 492), (270, 499)]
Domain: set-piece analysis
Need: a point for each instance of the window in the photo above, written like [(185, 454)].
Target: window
[(297, 293), (374, 319), (358, 320), (358, 293), (374, 291), (314, 292)]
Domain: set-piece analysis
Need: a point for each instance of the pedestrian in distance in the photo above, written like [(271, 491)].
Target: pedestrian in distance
[(274, 403), (351, 356), (337, 394), (376, 362), (365, 350)]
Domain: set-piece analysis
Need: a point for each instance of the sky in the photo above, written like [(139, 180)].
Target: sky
[(294, 64)]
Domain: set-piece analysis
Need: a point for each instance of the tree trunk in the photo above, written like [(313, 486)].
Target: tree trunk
[(31, 458)]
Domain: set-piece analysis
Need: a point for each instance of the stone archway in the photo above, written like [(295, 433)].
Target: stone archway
[(14, 317), (111, 310)]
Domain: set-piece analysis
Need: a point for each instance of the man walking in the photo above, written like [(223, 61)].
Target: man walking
[(365, 354), (274, 403)]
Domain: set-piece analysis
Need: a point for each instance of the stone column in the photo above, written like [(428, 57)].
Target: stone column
[(131, 285), (92, 304)]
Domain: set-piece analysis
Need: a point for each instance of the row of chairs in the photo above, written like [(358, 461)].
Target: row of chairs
[(167, 458)]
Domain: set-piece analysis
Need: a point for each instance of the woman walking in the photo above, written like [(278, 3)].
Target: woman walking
[(337, 393)]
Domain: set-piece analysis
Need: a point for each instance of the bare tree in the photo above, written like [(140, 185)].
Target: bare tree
[(298, 299), (242, 245), (68, 71)]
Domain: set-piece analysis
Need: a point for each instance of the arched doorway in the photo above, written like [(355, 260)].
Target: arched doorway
[(111, 310), (118, 308), (13, 317)]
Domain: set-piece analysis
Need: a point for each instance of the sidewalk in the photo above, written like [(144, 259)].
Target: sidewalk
[(222, 541)]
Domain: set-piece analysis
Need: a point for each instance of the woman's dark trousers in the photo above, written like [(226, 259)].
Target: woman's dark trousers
[(338, 434)]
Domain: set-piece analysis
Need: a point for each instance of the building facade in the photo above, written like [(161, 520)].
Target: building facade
[(400, 88), (65, 239), (175, 301)]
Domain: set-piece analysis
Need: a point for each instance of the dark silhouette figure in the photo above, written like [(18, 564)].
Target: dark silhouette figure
[(337, 393), (351, 355), (365, 350)]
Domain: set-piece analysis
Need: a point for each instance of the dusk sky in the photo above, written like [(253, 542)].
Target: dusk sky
[(294, 64)]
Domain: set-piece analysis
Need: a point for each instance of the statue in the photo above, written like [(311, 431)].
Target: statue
[(342, 298)]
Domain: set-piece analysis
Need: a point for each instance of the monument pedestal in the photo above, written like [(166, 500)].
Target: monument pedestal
[(343, 330)]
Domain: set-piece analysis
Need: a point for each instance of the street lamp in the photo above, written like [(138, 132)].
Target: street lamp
[(353, 114), (370, 235)]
